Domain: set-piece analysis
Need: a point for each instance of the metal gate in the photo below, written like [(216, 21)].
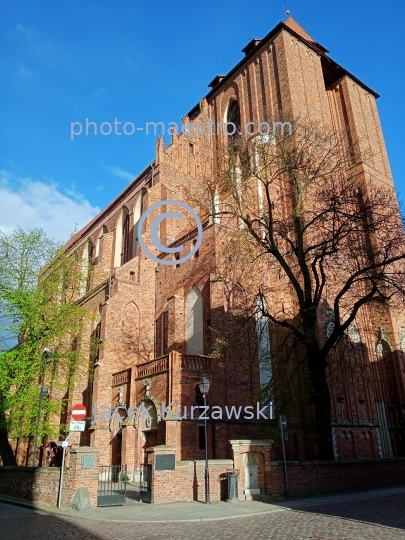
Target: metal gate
[(145, 483), (112, 485)]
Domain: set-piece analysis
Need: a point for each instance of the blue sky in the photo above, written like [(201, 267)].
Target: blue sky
[(149, 61)]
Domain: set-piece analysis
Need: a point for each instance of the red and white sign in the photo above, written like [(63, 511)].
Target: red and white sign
[(78, 412)]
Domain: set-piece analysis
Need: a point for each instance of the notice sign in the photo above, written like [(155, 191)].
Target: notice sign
[(88, 462), (77, 426), (165, 462)]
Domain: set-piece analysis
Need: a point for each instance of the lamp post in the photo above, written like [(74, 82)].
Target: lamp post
[(46, 354), (204, 386)]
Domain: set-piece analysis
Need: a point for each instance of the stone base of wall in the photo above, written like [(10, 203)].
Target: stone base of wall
[(321, 477)]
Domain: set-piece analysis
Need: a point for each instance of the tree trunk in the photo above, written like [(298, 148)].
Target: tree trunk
[(6, 452), (317, 372)]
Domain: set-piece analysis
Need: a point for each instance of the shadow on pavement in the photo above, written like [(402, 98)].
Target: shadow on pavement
[(387, 511), (22, 523)]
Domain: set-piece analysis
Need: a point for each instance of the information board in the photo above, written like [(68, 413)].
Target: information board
[(165, 462), (88, 462)]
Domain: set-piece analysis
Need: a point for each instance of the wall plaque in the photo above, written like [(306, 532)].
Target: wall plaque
[(165, 462), (88, 462)]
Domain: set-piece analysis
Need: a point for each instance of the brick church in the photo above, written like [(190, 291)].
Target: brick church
[(157, 323)]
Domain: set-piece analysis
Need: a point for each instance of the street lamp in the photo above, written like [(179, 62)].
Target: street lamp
[(204, 386), (46, 353)]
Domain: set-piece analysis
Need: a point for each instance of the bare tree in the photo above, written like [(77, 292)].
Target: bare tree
[(303, 227)]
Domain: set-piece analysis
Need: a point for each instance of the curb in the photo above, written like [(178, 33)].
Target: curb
[(191, 520), (78, 515), (298, 504)]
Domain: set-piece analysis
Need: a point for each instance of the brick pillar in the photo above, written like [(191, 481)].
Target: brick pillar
[(128, 444), (171, 431), (267, 468), (80, 474), (163, 482), (101, 438)]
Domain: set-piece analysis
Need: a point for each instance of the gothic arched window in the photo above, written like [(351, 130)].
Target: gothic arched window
[(121, 238), (103, 231), (263, 340), (87, 256), (233, 116), (126, 247), (138, 209), (194, 322)]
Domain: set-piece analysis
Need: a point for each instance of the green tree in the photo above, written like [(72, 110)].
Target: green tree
[(38, 284)]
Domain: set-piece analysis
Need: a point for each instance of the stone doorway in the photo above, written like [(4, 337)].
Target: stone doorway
[(251, 457), (251, 464)]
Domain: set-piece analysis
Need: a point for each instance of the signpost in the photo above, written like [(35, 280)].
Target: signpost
[(64, 446), (282, 424), (77, 423)]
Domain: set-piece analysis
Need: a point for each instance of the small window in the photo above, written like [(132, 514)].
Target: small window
[(201, 437), (177, 257), (191, 148)]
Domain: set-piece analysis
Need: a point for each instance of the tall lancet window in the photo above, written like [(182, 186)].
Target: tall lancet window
[(126, 246), (137, 216), (194, 322), (97, 250), (215, 208), (121, 251), (236, 177), (87, 255), (233, 117), (263, 340)]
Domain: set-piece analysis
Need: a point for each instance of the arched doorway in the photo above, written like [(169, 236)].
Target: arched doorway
[(148, 423)]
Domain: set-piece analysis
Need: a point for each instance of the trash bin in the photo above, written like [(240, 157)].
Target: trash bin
[(232, 485)]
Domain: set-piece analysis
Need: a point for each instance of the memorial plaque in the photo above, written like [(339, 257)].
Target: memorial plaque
[(88, 462), (165, 462)]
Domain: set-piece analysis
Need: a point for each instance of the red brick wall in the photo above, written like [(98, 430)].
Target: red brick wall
[(321, 477), (39, 484), (187, 482)]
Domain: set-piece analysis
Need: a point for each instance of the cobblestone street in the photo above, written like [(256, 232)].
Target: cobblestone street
[(379, 518)]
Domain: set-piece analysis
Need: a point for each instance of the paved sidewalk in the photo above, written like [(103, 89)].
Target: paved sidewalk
[(194, 511)]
